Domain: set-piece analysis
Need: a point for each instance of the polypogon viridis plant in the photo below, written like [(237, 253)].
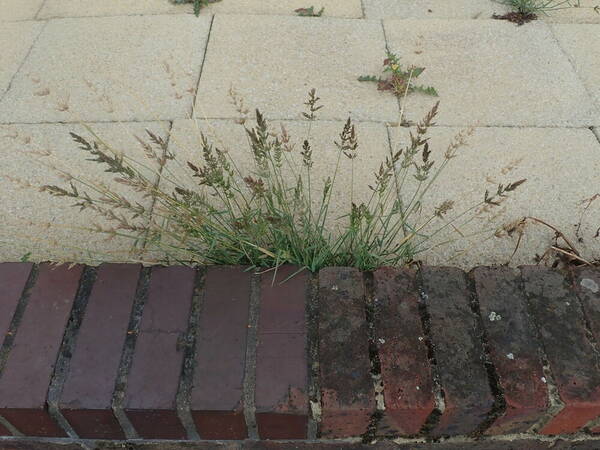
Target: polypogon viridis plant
[(279, 209), (399, 80)]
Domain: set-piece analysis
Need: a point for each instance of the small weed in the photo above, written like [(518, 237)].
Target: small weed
[(524, 11), (398, 79), (309, 12), (198, 4), (25, 257)]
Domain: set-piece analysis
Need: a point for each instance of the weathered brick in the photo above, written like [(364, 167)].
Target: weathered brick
[(281, 356), (217, 395), (153, 380), (586, 281), (86, 400), (399, 335), (458, 351), (347, 392), (13, 278), (26, 377), (514, 348), (558, 315)]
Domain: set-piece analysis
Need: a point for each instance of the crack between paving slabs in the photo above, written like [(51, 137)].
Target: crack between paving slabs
[(555, 402), (499, 407), (186, 381), (312, 336), (438, 391), (375, 364), (10, 336), (141, 295), (61, 368), (249, 383)]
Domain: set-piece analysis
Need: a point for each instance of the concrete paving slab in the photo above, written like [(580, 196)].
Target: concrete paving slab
[(561, 167), (109, 68), (581, 43), (16, 38), (19, 9), (226, 134), (492, 73), (49, 228), (88, 8), (84, 8), (471, 9), (332, 8), (273, 62), (586, 12), (432, 9)]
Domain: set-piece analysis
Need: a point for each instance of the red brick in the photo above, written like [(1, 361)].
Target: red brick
[(513, 348), (153, 380), (86, 400), (4, 431), (13, 277), (26, 377), (559, 318), (217, 396), (347, 392), (405, 368), (281, 357), (458, 351)]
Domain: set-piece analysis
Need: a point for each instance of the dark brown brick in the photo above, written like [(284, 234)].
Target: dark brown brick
[(86, 400), (281, 356), (13, 278), (217, 396), (458, 351), (586, 281), (513, 348), (153, 380), (405, 368), (347, 392), (26, 377), (559, 318)]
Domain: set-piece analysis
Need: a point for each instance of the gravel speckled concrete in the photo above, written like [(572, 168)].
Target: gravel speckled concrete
[(582, 44), (109, 68), (492, 73), (561, 167), (16, 38), (49, 227), (274, 61), (19, 9)]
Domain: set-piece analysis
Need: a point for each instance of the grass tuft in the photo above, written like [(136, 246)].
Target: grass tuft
[(278, 211)]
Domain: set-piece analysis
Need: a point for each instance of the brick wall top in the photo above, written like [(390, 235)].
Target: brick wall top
[(120, 352)]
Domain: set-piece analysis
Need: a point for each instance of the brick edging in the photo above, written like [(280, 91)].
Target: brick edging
[(120, 351)]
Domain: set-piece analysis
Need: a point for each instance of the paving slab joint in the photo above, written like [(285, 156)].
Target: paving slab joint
[(187, 374), (249, 384), (61, 368), (438, 391), (499, 406), (133, 327), (312, 323), (193, 107), (378, 386), (596, 132)]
